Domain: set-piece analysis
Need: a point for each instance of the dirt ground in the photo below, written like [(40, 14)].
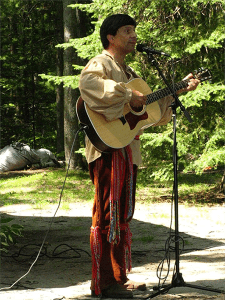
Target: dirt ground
[(63, 269)]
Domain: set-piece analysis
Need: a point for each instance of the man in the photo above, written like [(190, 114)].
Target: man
[(114, 174)]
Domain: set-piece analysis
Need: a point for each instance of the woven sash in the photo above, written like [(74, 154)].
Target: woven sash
[(118, 175)]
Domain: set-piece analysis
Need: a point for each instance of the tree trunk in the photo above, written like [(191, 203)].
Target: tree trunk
[(59, 72), (72, 29), (222, 184)]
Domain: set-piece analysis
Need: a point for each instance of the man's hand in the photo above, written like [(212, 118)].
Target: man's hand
[(192, 85), (137, 99)]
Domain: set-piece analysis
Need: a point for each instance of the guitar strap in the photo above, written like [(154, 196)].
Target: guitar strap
[(132, 72)]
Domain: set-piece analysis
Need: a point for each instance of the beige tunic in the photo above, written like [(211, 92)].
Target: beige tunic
[(102, 88)]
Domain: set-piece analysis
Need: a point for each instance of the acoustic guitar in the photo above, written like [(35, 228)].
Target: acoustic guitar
[(107, 136)]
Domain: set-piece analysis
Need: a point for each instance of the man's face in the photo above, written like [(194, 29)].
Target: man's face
[(125, 39)]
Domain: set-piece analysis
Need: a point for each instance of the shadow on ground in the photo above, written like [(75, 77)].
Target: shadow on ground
[(65, 258)]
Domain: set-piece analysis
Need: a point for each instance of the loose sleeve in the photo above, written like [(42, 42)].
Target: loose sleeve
[(103, 94)]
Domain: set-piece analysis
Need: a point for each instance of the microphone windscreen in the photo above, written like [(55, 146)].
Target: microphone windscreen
[(140, 47)]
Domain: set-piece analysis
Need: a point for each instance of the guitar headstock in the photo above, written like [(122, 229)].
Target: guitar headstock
[(203, 74)]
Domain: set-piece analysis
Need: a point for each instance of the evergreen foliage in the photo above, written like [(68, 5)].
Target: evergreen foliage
[(28, 40), (194, 35), (191, 31)]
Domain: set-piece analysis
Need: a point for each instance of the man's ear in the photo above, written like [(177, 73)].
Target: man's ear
[(110, 38)]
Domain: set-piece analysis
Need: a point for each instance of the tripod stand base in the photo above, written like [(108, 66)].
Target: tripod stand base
[(178, 281)]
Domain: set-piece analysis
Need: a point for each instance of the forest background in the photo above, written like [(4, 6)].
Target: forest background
[(45, 44)]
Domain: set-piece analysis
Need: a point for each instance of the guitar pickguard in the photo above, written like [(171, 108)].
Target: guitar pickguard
[(133, 120)]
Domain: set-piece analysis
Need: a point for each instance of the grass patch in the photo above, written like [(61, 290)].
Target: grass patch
[(192, 189), (43, 187), (144, 239)]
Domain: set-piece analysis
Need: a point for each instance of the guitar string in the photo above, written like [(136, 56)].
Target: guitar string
[(165, 92)]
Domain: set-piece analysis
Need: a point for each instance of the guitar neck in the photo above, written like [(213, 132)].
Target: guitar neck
[(166, 91)]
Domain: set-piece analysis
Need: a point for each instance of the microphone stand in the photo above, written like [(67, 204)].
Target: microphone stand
[(177, 280)]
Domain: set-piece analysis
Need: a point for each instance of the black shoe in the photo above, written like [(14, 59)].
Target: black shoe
[(115, 291)]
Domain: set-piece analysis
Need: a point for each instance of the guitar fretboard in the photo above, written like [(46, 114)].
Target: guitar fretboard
[(166, 91)]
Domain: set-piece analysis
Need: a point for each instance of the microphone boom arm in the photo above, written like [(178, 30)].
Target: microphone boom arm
[(177, 102)]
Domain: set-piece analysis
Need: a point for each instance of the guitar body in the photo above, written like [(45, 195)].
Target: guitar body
[(109, 135)]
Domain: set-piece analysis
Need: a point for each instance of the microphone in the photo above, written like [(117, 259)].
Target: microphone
[(143, 48)]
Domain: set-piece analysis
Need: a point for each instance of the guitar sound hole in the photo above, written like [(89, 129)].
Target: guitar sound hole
[(137, 109)]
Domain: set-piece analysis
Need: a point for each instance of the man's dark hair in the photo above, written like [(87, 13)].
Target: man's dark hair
[(111, 24)]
